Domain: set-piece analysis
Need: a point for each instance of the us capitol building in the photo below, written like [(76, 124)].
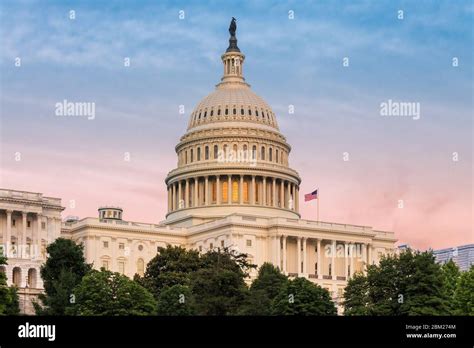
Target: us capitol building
[(233, 187)]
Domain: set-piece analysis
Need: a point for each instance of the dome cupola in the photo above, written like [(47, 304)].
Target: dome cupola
[(232, 157)]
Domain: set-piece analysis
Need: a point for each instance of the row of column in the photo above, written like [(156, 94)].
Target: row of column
[(21, 248), (281, 256), (196, 192)]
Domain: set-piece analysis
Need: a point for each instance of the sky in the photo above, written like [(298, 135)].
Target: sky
[(407, 175)]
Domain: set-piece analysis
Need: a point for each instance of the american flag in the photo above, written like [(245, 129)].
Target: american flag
[(311, 196)]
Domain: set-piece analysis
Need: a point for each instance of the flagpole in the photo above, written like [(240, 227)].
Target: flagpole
[(318, 206)]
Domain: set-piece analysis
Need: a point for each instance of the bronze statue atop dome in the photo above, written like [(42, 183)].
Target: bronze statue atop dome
[(233, 40), (232, 27)]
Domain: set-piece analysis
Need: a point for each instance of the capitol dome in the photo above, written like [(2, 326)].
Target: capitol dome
[(233, 157)]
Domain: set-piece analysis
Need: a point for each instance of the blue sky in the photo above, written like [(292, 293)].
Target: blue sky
[(299, 62)]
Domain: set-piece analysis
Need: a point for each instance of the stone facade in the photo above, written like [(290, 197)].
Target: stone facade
[(28, 223)]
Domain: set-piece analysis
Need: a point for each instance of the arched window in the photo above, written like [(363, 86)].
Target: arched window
[(262, 154), (263, 114), (234, 111), (198, 153), (205, 114), (226, 111), (270, 154), (216, 150), (17, 276), (212, 113), (234, 154), (218, 112), (245, 155), (186, 157), (250, 112), (256, 113), (276, 155), (242, 111), (140, 267), (225, 150), (192, 155), (32, 278), (206, 153), (254, 152)]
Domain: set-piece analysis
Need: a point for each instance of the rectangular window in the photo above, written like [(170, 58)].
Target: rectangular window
[(13, 222), (214, 192), (249, 242), (211, 246), (106, 244), (105, 264), (224, 192), (121, 246), (222, 243), (121, 267), (235, 192), (43, 225), (246, 192)]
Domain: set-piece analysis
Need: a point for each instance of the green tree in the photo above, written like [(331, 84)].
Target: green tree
[(172, 265), (302, 297), (107, 293), (356, 299), (411, 283), (263, 290), (423, 291), (62, 271), (464, 293), (220, 283), (451, 276), (9, 303), (176, 300)]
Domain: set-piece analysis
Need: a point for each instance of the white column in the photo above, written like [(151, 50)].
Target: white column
[(274, 192), (284, 254), (206, 190), (241, 189), (289, 196), (278, 252), (364, 258), (333, 260), (196, 192), (253, 190), (305, 261), (8, 232), (298, 254), (282, 194), (173, 197), (23, 235), (320, 276), (180, 195), (39, 219), (218, 190), (264, 195), (186, 194), (297, 200), (352, 245), (369, 254)]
